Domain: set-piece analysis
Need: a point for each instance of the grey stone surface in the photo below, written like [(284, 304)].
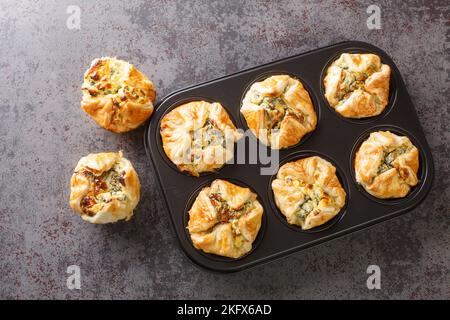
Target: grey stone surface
[(43, 133)]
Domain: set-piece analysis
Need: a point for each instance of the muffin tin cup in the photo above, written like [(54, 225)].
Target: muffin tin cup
[(335, 139), (159, 138), (421, 172), (214, 257), (393, 85), (340, 175)]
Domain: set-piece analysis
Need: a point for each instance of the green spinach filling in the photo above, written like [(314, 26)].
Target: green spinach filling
[(276, 109), (111, 84), (312, 196), (353, 80), (389, 157), (225, 212), (208, 135), (109, 183), (305, 208)]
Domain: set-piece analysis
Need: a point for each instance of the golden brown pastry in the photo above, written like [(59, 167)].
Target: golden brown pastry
[(386, 165), (116, 95), (225, 219), (279, 111), (308, 192), (357, 85), (104, 188), (198, 136)]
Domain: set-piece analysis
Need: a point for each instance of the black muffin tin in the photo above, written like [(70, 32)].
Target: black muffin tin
[(335, 139)]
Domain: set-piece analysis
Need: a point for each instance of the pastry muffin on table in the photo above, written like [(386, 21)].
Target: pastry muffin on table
[(116, 95), (104, 188)]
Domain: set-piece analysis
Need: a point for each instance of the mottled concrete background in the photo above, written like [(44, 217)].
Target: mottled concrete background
[(43, 133)]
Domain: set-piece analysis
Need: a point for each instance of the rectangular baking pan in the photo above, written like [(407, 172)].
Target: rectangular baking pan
[(335, 139)]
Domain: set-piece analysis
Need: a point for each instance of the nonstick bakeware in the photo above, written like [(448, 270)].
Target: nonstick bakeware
[(335, 138)]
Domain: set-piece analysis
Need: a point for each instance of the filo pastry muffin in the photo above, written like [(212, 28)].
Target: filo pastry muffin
[(357, 85), (386, 165), (198, 137), (308, 192), (116, 95), (225, 219), (104, 188), (279, 111)]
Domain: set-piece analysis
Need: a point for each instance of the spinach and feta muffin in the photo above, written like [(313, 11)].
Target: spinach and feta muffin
[(116, 95), (308, 192), (279, 111), (198, 136), (386, 165), (357, 85), (225, 219), (104, 188)]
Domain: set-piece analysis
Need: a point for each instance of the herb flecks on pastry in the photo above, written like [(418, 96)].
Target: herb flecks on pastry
[(386, 165), (357, 85), (225, 219), (308, 192), (116, 95), (198, 137), (279, 111), (104, 188)]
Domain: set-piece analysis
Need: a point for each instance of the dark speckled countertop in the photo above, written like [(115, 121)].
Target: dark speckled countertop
[(43, 133)]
